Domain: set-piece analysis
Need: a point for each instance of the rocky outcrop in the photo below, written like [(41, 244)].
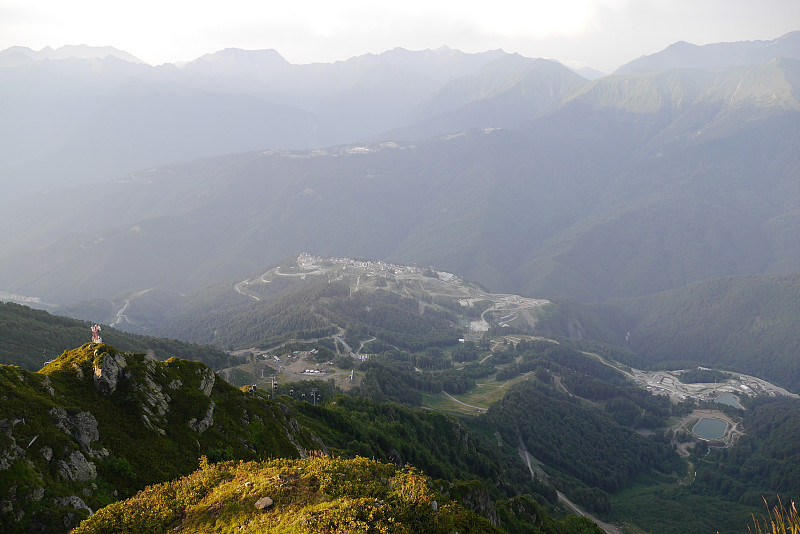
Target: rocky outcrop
[(205, 423), (59, 449), (292, 426), (474, 496), (263, 502), (108, 369), (12, 451), (78, 468), (82, 426), (73, 501), (156, 402), (207, 381), (47, 385), (84, 429)]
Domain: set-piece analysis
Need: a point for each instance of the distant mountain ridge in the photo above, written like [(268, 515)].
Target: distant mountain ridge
[(505, 92), (96, 114), (57, 107), (687, 55), (17, 55)]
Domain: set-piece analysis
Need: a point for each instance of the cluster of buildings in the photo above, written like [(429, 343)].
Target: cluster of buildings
[(307, 261)]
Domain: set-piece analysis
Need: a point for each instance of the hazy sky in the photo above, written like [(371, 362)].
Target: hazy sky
[(600, 33)]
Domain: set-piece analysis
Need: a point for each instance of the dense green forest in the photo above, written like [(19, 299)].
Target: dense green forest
[(579, 441), (731, 485), (309, 309), (397, 321), (296, 314), (401, 435)]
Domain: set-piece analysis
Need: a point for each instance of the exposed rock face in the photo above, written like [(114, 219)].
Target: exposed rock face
[(205, 423), (477, 499), (82, 426), (156, 403), (84, 429), (37, 494), (207, 381), (78, 468), (12, 451), (9, 454), (47, 385), (63, 458), (73, 501), (108, 368)]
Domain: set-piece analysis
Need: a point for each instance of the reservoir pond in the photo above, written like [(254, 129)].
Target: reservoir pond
[(729, 399), (710, 428)]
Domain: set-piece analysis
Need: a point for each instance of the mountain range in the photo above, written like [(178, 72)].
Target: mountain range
[(83, 114), (687, 55), (619, 187)]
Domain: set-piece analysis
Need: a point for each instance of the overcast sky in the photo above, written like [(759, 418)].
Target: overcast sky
[(603, 34)]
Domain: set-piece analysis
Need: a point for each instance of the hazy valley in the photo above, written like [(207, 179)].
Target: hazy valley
[(552, 296)]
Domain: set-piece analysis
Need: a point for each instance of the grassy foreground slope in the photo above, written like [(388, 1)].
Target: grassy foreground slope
[(313, 495), (291, 496)]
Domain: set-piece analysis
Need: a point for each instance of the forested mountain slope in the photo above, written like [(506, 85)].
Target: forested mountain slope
[(634, 185), (744, 323)]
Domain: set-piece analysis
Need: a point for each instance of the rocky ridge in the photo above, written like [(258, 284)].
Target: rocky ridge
[(97, 424)]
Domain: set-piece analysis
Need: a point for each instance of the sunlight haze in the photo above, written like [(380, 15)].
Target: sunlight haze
[(602, 34)]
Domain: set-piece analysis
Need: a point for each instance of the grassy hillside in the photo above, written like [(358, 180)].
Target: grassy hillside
[(95, 425), (313, 495), (307, 496)]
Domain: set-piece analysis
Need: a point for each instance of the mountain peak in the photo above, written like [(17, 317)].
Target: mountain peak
[(83, 51), (238, 62)]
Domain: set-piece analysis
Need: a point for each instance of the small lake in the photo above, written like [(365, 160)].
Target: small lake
[(730, 399), (710, 428)]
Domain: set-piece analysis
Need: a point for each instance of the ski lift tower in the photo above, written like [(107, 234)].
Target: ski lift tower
[(96, 334)]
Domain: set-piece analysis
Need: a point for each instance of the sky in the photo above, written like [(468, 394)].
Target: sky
[(602, 34)]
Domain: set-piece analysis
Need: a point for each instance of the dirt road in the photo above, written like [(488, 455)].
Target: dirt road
[(607, 527)]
